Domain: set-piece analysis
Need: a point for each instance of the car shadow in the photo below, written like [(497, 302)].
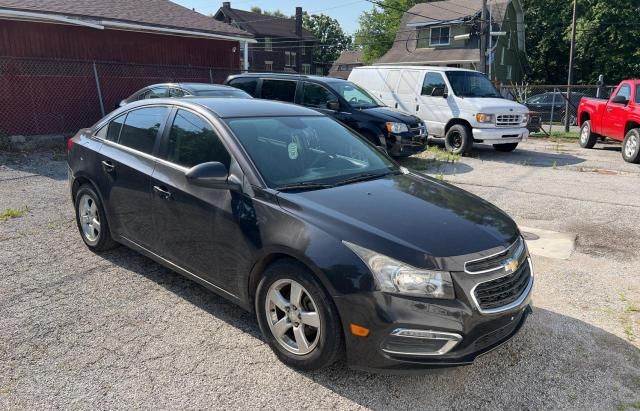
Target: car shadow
[(551, 359), (435, 166), (17, 165)]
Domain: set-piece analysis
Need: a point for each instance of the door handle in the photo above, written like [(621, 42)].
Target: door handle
[(417, 107), (108, 166), (609, 109), (162, 192), (396, 105)]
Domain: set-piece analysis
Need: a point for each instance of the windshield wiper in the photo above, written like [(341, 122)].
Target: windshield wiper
[(362, 177), (305, 185)]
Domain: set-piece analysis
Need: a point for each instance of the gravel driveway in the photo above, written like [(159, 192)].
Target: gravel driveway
[(116, 330)]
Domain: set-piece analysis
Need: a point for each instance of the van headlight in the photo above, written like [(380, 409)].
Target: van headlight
[(485, 118), (397, 128), (525, 118), (397, 277)]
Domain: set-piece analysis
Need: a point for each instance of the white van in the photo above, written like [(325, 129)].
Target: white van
[(461, 106)]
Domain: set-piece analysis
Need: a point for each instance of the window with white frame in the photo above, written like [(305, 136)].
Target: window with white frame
[(509, 72), (289, 58), (303, 52), (439, 36), (267, 44), (306, 69), (268, 65)]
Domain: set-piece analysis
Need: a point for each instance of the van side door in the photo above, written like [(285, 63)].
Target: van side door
[(433, 106), (407, 90), (388, 88)]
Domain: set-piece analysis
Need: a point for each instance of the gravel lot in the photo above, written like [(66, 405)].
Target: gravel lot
[(79, 330)]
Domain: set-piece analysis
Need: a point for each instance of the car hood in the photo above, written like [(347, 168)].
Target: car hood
[(412, 218), (494, 105), (391, 114)]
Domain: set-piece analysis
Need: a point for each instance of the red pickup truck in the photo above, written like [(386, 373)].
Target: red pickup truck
[(617, 118)]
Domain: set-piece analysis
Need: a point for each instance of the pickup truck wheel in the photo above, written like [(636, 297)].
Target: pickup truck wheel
[(631, 146), (458, 139), (505, 148), (587, 137)]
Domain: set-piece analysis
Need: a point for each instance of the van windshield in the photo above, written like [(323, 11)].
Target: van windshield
[(471, 84), (357, 97)]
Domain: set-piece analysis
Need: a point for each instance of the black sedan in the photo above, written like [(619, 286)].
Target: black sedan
[(286, 212), (184, 90)]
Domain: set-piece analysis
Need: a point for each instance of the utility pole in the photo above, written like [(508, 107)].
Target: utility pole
[(483, 37), (567, 113)]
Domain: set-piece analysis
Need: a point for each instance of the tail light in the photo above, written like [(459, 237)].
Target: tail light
[(70, 143)]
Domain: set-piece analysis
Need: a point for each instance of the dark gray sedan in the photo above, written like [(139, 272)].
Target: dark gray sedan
[(184, 90)]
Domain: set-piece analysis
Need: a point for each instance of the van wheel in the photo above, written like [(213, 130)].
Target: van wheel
[(458, 139), (631, 146), (505, 148), (587, 138), (92, 221), (297, 317)]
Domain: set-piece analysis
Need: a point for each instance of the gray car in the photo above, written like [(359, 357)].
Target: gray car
[(164, 90)]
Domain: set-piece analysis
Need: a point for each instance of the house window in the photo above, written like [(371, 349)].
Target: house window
[(289, 58), (439, 36), (268, 65), (267, 44), (303, 52), (509, 72), (306, 69)]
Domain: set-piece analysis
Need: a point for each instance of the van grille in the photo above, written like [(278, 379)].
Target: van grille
[(504, 290), (508, 120)]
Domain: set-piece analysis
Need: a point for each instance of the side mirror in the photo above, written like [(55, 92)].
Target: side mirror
[(620, 100), (333, 105), (122, 103), (439, 92), (212, 175)]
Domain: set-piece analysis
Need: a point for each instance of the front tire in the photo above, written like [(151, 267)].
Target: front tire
[(458, 139), (587, 137), (505, 148), (631, 146), (92, 221), (297, 317)]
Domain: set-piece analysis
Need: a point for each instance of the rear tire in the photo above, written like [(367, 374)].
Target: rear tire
[(631, 146), (458, 139), (505, 148), (588, 139), (92, 220), (302, 345)]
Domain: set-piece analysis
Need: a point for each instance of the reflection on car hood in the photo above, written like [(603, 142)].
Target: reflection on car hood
[(405, 212), (390, 114), (494, 105)]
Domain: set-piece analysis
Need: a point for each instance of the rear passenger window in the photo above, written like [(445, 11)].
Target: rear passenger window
[(247, 84), (141, 127), (281, 90), (111, 131), (314, 95), (157, 92), (432, 81), (193, 141)]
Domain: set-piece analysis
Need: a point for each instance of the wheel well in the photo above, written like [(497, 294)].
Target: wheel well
[(455, 121), (584, 117), (77, 183), (630, 126), (260, 267)]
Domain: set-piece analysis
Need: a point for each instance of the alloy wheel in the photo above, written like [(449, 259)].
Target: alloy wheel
[(89, 218), (632, 146), (584, 134), (293, 316)]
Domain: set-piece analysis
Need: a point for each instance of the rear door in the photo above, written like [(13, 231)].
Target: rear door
[(615, 115), (127, 163), (388, 92), (194, 226), (279, 90), (406, 91)]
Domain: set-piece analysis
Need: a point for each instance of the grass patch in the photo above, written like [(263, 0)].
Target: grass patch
[(629, 406), (443, 155), (8, 213)]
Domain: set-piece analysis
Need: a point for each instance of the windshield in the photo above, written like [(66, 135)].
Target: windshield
[(222, 93), (291, 151), (357, 97), (471, 84)]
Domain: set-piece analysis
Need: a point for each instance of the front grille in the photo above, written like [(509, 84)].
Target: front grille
[(508, 120), (496, 261), (419, 131), (504, 290)]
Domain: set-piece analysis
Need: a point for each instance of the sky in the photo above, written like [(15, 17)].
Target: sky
[(345, 11)]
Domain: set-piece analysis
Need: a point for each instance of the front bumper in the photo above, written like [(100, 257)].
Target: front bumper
[(406, 144), (385, 313), (500, 135)]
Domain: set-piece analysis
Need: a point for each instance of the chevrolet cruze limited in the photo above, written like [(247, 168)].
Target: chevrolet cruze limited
[(339, 251)]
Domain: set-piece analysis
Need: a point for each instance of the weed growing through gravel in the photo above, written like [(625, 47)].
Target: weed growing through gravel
[(8, 213)]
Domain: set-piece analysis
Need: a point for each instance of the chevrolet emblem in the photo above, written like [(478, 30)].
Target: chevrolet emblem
[(510, 265)]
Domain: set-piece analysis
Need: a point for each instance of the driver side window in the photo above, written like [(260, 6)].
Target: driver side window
[(314, 95), (625, 91), (433, 81)]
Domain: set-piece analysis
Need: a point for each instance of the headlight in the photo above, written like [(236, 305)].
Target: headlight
[(485, 118), (525, 118), (397, 128), (397, 277)]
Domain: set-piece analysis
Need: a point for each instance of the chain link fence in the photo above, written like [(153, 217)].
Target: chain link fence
[(42, 97), (548, 103)]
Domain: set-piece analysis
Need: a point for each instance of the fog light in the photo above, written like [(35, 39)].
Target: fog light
[(420, 342), (359, 331)]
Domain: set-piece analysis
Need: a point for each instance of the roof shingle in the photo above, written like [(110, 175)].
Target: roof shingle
[(263, 25)]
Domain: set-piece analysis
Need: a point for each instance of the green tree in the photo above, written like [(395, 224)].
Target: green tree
[(332, 40), (378, 27), (274, 13)]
